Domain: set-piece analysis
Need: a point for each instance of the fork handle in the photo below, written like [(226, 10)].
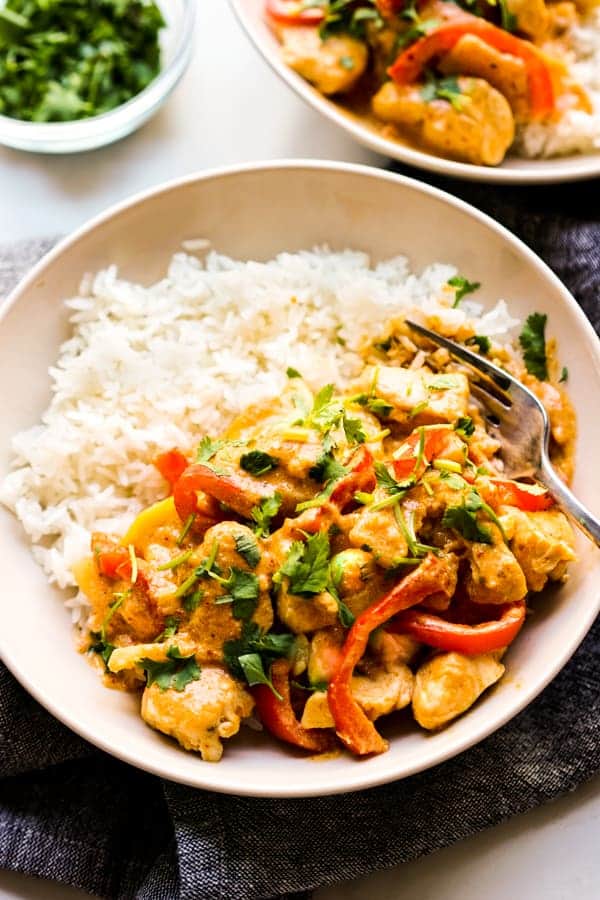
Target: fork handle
[(568, 502)]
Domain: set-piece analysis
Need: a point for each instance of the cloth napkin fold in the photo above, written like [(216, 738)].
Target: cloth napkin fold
[(71, 813)]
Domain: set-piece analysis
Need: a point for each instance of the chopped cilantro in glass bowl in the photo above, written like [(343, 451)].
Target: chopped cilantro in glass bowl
[(122, 58)]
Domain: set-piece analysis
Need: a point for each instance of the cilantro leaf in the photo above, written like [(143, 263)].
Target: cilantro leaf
[(327, 411), (464, 520), (444, 89), (533, 343), (377, 405), (171, 626), (327, 469), (307, 565), (251, 655), (207, 449), (246, 546), (464, 427), (564, 375), (256, 462), (353, 430), (242, 590), (102, 647), (192, 601), (292, 373), (173, 674), (264, 513), (387, 481), (482, 342), (463, 287)]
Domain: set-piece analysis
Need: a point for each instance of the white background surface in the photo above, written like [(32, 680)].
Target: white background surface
[(231, 108)]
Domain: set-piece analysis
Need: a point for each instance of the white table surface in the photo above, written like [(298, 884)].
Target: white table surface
[(231, 108)]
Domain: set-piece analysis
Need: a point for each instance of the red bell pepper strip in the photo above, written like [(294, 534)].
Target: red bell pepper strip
[(351, 724), (171, 465), (470, 639), (293, 12), (528, 497), (405, 461), (410, 64), (198, 491), (278, 716), (111, 558), (361, 477)]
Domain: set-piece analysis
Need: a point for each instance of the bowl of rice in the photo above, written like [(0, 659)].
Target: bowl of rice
[(164, 317), (543, 153)]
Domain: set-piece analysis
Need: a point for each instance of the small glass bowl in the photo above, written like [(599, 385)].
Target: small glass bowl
[(87, 134)]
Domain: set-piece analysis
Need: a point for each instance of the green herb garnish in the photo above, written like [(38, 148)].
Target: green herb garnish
[(241, 590), (307, 565), (533, 343), (482, 342), (207, 449), (62, 60), (463, 287), (264, 513), (173, 674), (246, 546), (256, 462), (250, 656)]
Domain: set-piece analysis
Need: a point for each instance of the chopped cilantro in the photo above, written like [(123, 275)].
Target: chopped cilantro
[(482, 342), (327, 469), (173, 674), (463, 287), (464, 520), (416, 31), (250, 656), (62, 60), (171, 626), (192, 601), (264, 513), (207, 449), (533, 343), (564, 375), (246, 546), (444, 89), (353, 430), (307, 565), (465, 427), (241, 590), (386, 480), (348, 17), (292, 373), (256, 462)]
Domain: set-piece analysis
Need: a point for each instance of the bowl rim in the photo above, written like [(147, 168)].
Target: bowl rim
[(356, 779), (546, 171), (95, 128)]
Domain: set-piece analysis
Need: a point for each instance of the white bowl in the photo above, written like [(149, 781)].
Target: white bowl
[(254, 212), (514, 170)]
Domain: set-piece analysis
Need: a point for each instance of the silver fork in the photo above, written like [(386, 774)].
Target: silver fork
[(521, 424)]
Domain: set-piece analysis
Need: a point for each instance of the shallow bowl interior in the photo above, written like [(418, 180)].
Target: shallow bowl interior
[(253, 213), (513, 170)]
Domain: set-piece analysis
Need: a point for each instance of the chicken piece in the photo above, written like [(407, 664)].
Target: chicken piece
[(495, 575), (306, 614), (449, 683), (333, 65), (508, 74), (391, 649), (432, 399), (531, 16), (479, 131), (136, 615), (207, 710), (378, 531), (124, 659), (563, 425), (543, 543), (378, 694), (212, 623)]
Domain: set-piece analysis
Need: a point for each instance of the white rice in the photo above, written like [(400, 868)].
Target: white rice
[(147, 369), (576, 131)]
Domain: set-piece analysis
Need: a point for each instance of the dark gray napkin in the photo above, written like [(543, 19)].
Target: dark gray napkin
[(71, 813)]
